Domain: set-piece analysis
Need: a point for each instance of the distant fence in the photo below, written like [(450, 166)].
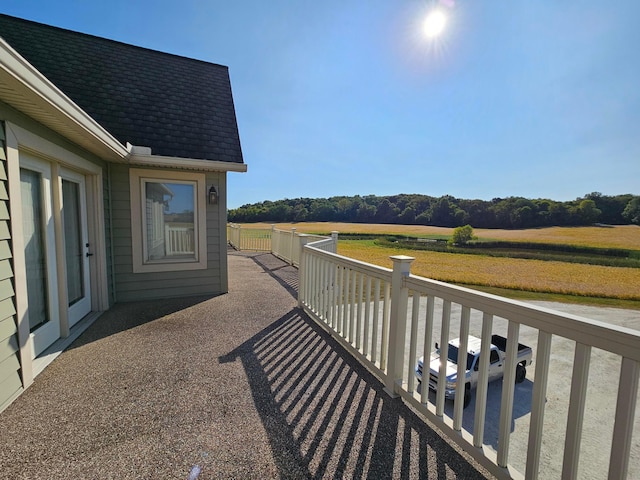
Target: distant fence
[(284, 244)]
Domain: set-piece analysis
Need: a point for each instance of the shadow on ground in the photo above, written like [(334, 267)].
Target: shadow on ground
[(125, 316), (328, 417), (285, 274)]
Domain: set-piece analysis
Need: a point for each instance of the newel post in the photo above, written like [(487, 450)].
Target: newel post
[(397, 323), (273, 234), (303, 281), (334, 238), (293, 245)]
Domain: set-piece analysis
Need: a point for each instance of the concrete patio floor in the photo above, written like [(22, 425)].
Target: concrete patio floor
[(242, 385)]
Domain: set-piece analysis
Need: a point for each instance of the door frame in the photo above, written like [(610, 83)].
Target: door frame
[(84, 306), (19, 140)]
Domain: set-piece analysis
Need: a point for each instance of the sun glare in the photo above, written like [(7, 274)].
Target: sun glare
[(435, 23)]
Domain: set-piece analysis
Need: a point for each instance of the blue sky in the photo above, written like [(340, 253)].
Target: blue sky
[(539, 99)]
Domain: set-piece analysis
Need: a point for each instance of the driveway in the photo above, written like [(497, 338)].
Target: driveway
[(604, 374)]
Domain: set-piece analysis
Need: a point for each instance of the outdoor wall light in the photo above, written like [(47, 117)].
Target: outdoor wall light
[(213, 195)]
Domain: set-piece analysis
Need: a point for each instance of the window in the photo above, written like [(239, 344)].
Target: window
[(168, 221), (495, 358)]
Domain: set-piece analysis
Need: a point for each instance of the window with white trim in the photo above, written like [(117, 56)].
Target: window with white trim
[(168, 220)]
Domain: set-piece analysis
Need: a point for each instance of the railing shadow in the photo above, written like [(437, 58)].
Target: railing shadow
[(285, 274), (326, 416)]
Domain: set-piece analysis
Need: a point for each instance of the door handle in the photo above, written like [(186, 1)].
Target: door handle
[(89, 254)]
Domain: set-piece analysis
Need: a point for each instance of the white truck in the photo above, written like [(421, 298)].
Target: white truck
[(496, 365)]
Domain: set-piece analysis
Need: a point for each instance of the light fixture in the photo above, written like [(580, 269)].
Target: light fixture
[(213, 195)]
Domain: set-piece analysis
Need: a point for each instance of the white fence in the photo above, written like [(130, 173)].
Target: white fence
[(284, 244), (179, 240), (386, 319)]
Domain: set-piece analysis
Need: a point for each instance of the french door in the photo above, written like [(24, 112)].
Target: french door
[(39, 245), (76, 241), (58, 285)]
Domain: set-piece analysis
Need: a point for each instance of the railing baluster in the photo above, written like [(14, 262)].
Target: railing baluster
[(508, 389), (337, 293), (444, 352), (465, 315), (335, 271), (385, 326), (326, 290), (483, 379), (376, 315), (317, 297), (359, 314), (426, 349), (367, 316), (538, 401), (346, 303), (415, 314), (352, 308), (340, 292), (579, 379), (624, 422)]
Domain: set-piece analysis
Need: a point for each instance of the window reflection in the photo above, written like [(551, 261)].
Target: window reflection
[(170, 224)]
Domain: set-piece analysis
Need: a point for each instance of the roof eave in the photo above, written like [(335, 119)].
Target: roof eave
[(29, 91), (185, 163)]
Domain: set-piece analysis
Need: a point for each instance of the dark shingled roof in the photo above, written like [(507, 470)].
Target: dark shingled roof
[(180, 107)]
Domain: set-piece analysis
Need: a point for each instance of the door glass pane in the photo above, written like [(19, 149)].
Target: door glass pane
[(73, 240), (34, 248), (169, 220)]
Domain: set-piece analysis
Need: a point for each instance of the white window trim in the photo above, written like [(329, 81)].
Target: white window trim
[(137, 177)]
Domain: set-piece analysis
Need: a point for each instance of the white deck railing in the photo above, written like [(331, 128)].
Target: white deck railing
[(179, 240), (284, 244), (386, 319)]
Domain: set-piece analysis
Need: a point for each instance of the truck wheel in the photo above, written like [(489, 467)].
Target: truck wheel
[(467, 396), (521, 373)]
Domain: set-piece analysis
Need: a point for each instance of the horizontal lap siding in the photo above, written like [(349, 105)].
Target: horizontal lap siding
[(146, 286), (10, 381)]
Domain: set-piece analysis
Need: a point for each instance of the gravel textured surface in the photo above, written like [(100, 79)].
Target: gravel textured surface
[(242, 385)]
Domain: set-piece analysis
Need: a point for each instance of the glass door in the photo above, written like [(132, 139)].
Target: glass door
[(39, 244), (76, 245)]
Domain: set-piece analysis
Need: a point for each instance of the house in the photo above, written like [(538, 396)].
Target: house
[(113, 163)]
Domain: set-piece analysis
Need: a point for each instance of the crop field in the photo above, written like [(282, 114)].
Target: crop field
[(619, 236), (509, 273), (518, 274)]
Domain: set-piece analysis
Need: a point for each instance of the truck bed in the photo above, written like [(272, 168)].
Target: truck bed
[(501, 342)]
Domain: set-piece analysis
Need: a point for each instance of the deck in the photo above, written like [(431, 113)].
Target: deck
[(243, 385)]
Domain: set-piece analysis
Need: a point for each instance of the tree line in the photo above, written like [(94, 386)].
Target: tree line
[(447, 211)]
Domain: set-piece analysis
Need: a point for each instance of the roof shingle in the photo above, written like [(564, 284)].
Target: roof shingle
[(178, 106)]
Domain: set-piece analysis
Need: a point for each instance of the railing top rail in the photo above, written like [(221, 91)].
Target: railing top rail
[(363, 267), (613, 338), (321, 241)]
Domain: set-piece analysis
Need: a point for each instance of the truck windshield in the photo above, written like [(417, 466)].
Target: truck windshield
[(453, 356)]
